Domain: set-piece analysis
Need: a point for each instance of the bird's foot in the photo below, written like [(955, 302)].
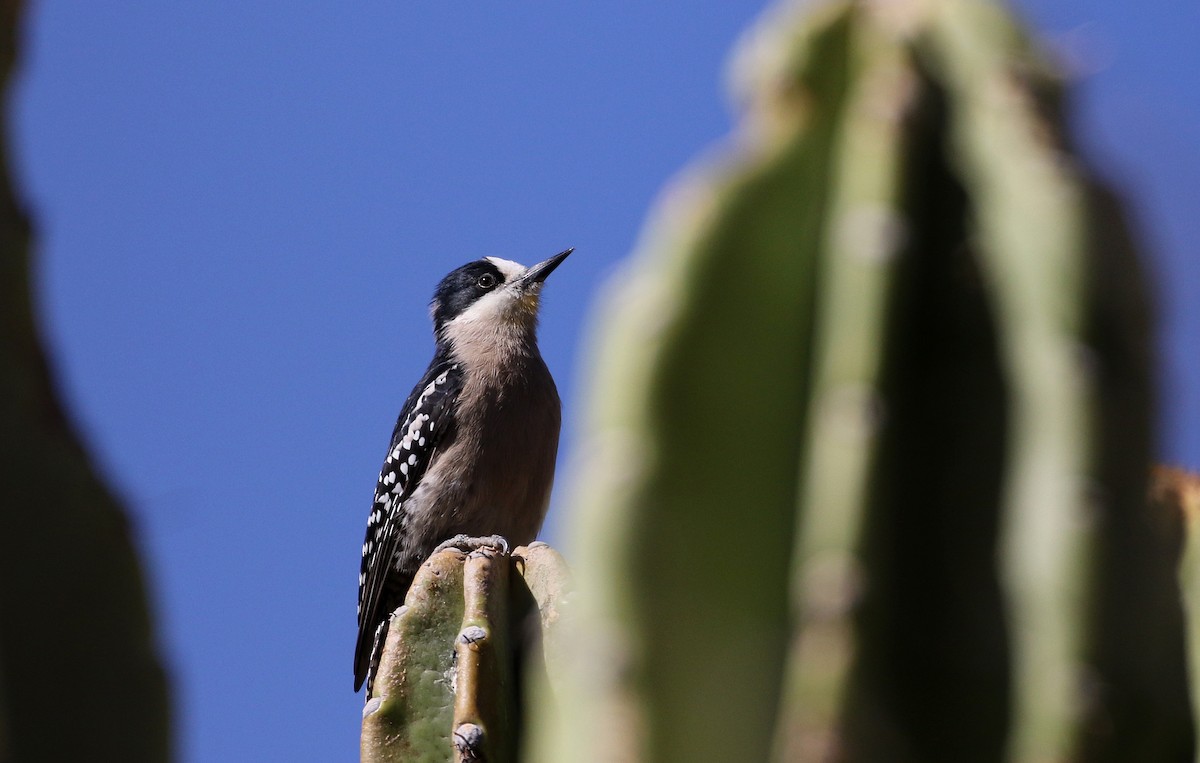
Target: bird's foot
[(495, 544)]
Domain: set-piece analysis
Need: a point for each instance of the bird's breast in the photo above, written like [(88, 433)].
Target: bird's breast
[(496, 473)]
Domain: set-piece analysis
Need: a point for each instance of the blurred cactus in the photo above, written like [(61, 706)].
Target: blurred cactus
[(1175, 500), (869, 432), (447, 687), (80, 674)]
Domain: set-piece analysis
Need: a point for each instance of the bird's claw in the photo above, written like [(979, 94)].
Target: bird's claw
[(468, 544)]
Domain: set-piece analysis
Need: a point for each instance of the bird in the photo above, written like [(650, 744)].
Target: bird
[(471, 458)]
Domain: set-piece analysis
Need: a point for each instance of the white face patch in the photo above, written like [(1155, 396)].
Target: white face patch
[(511, 270), (491, 308), (500, 320)]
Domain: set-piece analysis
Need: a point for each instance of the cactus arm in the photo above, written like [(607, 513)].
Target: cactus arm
[(868, 227), (485, 724), (545, 574), (688, 499), (411, 714), (1027, 199)]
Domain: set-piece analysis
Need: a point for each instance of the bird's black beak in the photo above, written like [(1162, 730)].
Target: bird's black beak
[(540, 271)]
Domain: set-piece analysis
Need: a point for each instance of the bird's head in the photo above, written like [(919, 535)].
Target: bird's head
[(490, 295)]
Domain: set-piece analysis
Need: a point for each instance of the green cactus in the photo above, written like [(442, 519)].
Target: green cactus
[(870, 428), (446, 687), (410, 713), (485, 704), (547, 581)]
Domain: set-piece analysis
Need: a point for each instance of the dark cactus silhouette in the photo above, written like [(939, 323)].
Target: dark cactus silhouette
[(80, 674)]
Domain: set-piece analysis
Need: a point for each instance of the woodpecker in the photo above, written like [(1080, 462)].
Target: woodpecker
[(473, 450)]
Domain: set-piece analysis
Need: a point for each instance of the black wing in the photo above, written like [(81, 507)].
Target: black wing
[(425, 420)]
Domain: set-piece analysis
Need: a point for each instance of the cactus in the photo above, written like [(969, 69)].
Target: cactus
[(864, 470), (409, 715), (447, 687), (1175, 502), (80, 673)]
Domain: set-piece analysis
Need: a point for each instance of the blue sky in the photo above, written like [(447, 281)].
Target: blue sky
[(244, 208)]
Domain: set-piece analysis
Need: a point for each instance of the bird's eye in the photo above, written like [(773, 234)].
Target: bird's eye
[(486, 281)]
